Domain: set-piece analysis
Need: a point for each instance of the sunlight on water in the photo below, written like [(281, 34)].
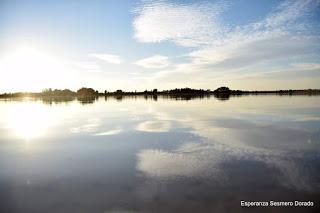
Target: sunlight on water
[(29, 120), (138, 153)]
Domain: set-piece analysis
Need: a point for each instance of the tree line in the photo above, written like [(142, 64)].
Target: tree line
[(219, 92)]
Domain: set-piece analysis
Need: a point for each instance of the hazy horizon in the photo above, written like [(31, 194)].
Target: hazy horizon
[(138, 45), (168, 89)]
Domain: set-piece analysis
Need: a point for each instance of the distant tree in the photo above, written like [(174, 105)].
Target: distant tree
[(57, 92), (47, 91), (155, 91), (86, 92), (223, 90), (67, 92)]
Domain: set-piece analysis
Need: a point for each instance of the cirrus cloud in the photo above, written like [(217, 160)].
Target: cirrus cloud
[(109, 58), (186, 25), (222, 52), (156, 61)]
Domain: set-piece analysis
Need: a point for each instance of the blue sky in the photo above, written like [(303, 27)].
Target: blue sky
[(110, 44)]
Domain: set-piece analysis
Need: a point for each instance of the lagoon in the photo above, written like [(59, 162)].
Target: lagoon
[(138, 154)]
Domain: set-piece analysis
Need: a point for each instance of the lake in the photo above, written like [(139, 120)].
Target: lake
[(138, 154)]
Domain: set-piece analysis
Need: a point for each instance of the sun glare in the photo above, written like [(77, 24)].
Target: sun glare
[(29, 120), (29, 69)]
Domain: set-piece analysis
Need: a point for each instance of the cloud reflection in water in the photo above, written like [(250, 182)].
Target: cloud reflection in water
[(230, 138)]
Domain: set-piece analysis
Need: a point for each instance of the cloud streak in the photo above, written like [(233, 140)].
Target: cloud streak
[(156, 61), (225, 52), (109, 58)]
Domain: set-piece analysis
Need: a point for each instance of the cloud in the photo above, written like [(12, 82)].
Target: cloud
[(289, 11), (186, 25), (156, 61), (280, 35), (307, 66), (268, 48), (109, 58), (222, 52)]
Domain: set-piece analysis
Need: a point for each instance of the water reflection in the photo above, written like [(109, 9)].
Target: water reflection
[(154, 126), (137, 154), (56, 100), (91, 99), (110, 132), (28, 120), (87, 100)]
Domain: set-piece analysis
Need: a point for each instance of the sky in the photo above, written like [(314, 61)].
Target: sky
[(164, 44)]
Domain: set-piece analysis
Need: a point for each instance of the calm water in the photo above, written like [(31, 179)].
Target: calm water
[(163, 155)]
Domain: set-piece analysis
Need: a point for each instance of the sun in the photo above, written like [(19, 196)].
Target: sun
[(29, 69)]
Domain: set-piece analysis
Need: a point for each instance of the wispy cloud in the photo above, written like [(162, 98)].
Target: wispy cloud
[(186, 25), (109, 58), (156, 61), (288, 11), (307, 66), (221, 51)]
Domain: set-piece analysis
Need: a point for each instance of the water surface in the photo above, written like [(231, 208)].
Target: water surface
[(158, 154)]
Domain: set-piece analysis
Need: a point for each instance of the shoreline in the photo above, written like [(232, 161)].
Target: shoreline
[(172, 93)]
